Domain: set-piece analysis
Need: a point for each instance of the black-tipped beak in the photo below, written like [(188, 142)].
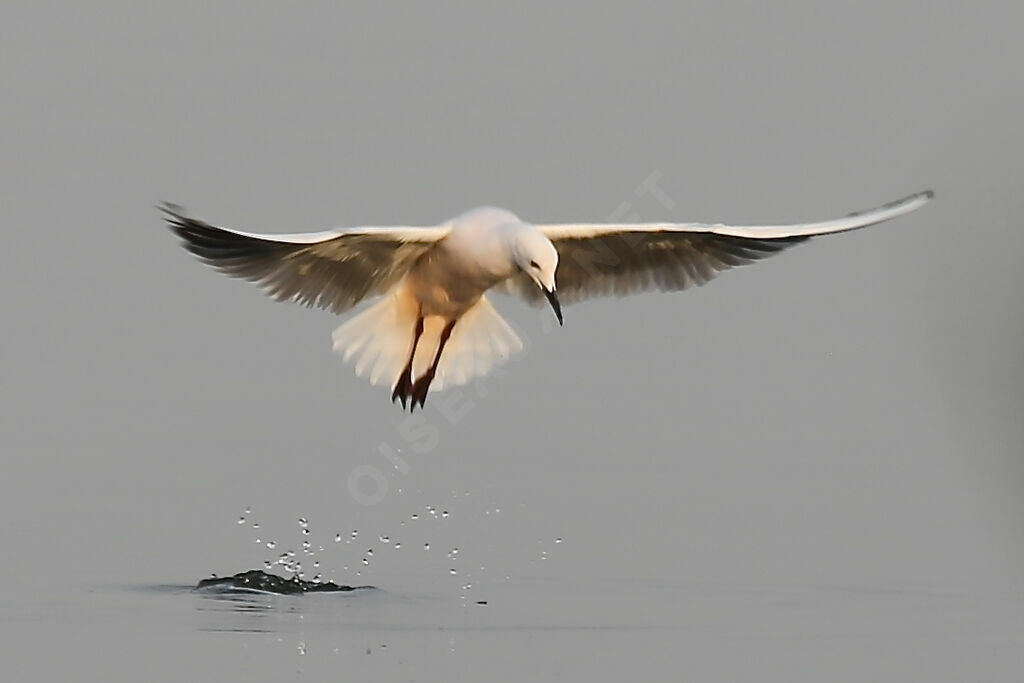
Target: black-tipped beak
[(553, 300)]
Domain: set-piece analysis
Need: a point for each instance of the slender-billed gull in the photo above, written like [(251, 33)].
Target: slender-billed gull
[(433, 325)]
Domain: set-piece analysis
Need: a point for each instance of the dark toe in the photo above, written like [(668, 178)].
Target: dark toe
[(403, 389), (420, 389)]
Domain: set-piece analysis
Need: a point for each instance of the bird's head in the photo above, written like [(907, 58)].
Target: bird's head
[(538, 258)]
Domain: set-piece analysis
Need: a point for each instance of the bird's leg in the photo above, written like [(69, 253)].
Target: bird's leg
[(403, 387), (419, 389)]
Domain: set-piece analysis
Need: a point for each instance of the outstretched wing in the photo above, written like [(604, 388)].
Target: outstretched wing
[(333, 270), (620, 259)]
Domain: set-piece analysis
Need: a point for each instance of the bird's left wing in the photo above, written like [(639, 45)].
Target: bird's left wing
[(333, 270), (620, 259)]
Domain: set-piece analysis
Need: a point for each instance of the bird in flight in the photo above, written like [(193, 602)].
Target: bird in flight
[(433, 325)]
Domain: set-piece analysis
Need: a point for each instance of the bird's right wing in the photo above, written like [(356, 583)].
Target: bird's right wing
[(333, 270)]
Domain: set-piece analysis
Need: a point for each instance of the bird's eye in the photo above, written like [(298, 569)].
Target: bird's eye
[(533, 264)]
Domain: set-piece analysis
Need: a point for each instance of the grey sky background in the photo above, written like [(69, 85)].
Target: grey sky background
[(847, 412)]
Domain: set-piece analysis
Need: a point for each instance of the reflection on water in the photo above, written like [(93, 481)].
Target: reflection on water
[(247, 611), (531, 629), (396, 635), (240, 611), (545, 605)]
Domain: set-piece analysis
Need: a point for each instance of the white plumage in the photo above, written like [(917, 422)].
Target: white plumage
[(433, 325)]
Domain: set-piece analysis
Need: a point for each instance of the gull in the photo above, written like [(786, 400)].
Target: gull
[(433, 324)]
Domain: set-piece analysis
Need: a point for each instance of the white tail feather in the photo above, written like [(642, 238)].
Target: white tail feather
[(377, 342), (481, 340)]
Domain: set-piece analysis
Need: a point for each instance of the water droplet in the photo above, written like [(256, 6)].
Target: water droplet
[(271, 544), (426, 546), (303, 522), (248, 510), (316, 578), (385, 539), (366, 561), (241, 520), (444, 514), (305, 532), (558, 540), (355, 533), (452, 572), (496, 510), (415, 517), (255, 525), (369, 551), (397, 545), (316, 564), (453, 552), (337, 538)]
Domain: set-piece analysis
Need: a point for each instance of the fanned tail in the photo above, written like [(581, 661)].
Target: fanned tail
[(378, 342)]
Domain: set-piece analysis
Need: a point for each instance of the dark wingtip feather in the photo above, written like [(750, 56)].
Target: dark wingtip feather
[(212, 244), (174, 214)]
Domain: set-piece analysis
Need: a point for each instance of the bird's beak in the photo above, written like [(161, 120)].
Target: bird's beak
[(553, 300)]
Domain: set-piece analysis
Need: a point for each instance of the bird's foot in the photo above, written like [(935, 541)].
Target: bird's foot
[(403, 387), (420, 389)]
